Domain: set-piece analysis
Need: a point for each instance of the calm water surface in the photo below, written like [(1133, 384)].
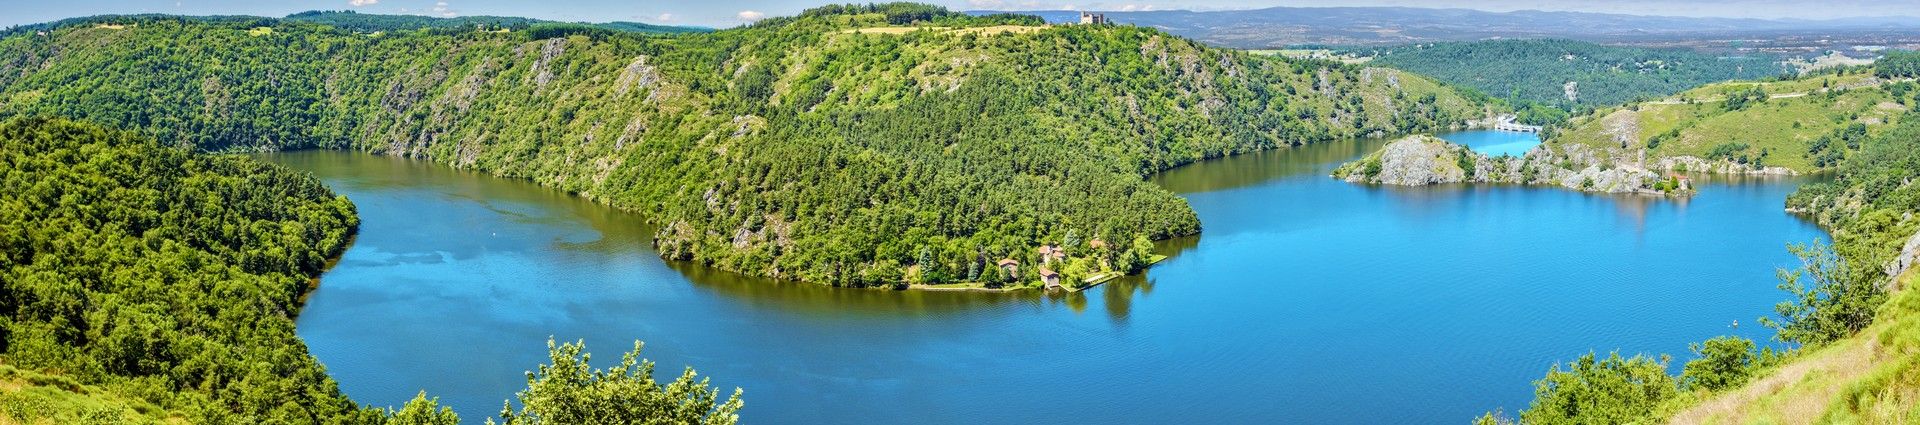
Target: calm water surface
[(1496, 143), (1307, 300)]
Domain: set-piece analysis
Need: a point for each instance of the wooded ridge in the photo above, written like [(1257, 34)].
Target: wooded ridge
[(850, 145)]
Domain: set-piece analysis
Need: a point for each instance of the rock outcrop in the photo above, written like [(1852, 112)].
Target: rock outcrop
[(1909, 257), (1425, 160)]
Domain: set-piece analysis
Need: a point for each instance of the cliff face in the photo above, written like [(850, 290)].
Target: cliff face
[(1424, 160)]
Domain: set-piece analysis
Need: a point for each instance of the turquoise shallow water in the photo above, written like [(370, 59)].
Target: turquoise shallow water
[(1495, 143), (1306, 300)]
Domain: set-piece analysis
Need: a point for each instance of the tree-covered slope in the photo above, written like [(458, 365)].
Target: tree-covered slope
[(159, 275), (141, 283), (850, 145), (1538, 71)]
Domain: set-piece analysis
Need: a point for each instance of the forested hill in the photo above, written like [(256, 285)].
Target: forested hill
[(166, 278), (1538, 70), (849, 145), (146, 284)]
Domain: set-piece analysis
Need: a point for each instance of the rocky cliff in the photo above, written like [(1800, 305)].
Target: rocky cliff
[(1424, 160)]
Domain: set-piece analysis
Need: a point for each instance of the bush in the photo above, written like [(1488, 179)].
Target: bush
[(571, 391), (1613, 390), (1724, 362)]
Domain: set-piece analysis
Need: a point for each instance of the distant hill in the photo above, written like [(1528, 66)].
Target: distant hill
[(365, 22), (1283, 26), (1539, 70)]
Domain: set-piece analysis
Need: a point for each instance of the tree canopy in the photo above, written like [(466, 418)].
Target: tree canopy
[(144, 278)]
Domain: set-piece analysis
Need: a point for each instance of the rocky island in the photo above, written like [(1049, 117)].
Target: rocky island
[(1422, 160)]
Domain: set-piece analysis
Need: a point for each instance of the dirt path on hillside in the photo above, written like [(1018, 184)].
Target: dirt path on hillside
[(1876, 83)]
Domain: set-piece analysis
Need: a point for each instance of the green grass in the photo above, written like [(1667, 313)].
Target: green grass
[(1782, 127), (1719, 90), (29, 397), (1872, 377)]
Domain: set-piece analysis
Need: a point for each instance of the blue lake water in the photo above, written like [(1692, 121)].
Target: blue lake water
[(1495, 143), (1306, 300)]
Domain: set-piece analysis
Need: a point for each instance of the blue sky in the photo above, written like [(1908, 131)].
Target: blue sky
[(717, 13)]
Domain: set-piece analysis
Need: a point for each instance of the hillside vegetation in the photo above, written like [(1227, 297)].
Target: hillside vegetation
[(1537, 72), (141, 283), (1779, 126), (160, 276), (792, 148)]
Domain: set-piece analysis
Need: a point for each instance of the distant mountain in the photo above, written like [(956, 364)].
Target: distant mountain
[(1282, 26)]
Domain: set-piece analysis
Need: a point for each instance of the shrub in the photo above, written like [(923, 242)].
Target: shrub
[(1724, 362)]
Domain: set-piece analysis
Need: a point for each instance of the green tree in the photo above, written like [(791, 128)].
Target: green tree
[(1722, 363), (1612, 390), (1828, 302), (1139, 253), (570, 391), (424, 411)]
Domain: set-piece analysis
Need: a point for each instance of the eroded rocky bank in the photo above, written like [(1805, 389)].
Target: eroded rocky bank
[(1426, 160)]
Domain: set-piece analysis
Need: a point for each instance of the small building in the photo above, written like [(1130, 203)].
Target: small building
[(1012, 267), (1052, 252), (1049, 277), (1684, 182), (1092, 18)]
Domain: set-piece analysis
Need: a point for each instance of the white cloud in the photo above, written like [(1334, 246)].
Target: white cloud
[(1017, 5), (1137, 8), (358, 3), (442, 9), (665, 17), (751, 16)]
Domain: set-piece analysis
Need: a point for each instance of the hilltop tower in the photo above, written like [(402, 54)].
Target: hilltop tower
[(1092, 18)]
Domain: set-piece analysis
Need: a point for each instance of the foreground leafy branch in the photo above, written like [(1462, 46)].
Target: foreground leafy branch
[(570, 391)]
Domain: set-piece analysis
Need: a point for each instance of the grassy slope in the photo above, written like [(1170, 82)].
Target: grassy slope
[(28, 397), (1801, 111), (786, 148), (1872, 377)]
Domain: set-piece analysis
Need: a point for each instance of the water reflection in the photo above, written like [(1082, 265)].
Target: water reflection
[(819, 299), (1265, 166)]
